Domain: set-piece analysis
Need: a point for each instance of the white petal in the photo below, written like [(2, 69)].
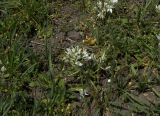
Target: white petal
[(99, 4), (114, 1), (78, 63), (109, 80), (158, 37), (3, 69), (109, 10)]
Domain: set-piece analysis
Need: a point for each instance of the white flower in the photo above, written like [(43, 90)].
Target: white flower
[(158, 37), (158, 8), (77, 55), (3, 69), (114, 1), (106, 6), (90, 57), (109, 8), (83, 92), (99, 4), (101, 15), (109, 80), (78, 63)]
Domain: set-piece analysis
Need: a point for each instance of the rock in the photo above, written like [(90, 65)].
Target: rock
[(75, 36)]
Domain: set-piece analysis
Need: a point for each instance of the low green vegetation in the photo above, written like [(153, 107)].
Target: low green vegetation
[(113, 70)]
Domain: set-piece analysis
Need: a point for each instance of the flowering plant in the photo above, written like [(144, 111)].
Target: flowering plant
[(77, 55), (104, 6)]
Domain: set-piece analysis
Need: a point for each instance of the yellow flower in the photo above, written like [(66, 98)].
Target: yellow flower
[(91, 41)]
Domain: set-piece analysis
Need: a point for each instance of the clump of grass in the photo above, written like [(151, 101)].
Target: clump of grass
[(21, 21)]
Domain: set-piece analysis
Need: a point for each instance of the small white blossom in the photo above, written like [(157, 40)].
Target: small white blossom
[(99, 3), (158, 37), (158, 8), (109, 80), (78, 63), (114, 1), (3, 69), (101, 15), (83, 92), (109, 9)]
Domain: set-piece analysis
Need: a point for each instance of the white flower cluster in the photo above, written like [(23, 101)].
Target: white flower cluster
[(77, 55), (104, 7)]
